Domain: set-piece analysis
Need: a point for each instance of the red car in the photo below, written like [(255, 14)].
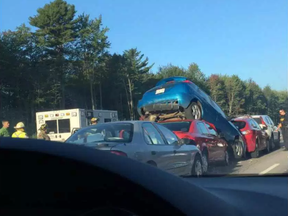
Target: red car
[(213, 148), (256, 139)]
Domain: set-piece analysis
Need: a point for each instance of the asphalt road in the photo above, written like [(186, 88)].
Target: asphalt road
[(275, 162)]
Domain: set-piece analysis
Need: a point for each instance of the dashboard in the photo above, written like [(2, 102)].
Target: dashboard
[(265, 195), (45, 178)]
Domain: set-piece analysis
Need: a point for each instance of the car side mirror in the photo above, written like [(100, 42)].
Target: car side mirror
[(185, 141)]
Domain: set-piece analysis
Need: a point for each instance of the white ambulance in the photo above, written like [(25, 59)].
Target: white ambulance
[(61, 123)]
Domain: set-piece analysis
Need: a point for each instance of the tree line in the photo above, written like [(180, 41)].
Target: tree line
[(65, 63)]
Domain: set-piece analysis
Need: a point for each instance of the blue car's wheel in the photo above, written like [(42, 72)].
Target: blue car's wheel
[(238, 149), (193, 111)]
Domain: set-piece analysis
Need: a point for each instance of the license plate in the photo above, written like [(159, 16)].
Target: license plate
[(159, 91)]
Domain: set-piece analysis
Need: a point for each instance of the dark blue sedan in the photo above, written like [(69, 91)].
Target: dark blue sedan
[(179, 97)]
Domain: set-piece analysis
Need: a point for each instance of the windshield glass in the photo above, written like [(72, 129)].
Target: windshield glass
[(177, 126), (239, 124), (117, 132), (84, 72)]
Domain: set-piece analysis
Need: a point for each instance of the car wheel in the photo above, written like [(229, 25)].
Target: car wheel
[(197, 169), (268, 146), (194, 111), (255, 154), (238, 149), (205, 163)]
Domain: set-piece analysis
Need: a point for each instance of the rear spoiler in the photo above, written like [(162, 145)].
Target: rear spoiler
[(172, 79)]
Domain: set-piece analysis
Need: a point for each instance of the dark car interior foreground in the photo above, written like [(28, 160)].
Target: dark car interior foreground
[(41, 178)]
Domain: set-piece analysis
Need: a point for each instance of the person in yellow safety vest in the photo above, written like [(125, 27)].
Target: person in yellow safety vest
[(20, 133)]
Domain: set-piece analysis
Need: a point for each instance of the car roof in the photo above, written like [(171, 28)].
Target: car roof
[(241, 119), (118, 122), (185, 120)]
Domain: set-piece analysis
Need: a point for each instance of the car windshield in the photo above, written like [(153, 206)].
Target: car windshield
[(239, 124), (113, 132), (177, 126), (83, 72)]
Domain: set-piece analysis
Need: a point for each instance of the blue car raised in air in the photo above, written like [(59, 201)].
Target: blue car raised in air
[(178, 97)]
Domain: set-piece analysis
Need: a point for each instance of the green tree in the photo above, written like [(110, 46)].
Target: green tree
[(170, 70), (217, 90), (235, 94), (134, 70), (113, 88), (255, 101), (272, 101), (20, 66), (91, 47), (55, 30), (197, 76)]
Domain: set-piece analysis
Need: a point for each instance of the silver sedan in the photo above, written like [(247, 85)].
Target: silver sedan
[(144, 141)]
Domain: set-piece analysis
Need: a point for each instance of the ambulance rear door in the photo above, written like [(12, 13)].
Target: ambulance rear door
[(60, 123)]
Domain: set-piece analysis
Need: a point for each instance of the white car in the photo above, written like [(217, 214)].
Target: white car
[(266, 123)]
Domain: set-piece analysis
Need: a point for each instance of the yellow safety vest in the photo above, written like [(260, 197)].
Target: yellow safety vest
[(19, 134)]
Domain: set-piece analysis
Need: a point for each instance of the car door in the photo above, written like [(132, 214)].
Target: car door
[(273, 128), (208, 140), (268, 123), (219, 145), (157, 150), (182, 153)]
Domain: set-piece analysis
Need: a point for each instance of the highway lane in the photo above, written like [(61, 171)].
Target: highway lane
[(275, 162)]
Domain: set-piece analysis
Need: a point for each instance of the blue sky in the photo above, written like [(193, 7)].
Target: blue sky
[(247, 37)]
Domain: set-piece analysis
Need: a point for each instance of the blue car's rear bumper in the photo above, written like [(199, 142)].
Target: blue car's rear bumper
[(164, 106), (164, 102)]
